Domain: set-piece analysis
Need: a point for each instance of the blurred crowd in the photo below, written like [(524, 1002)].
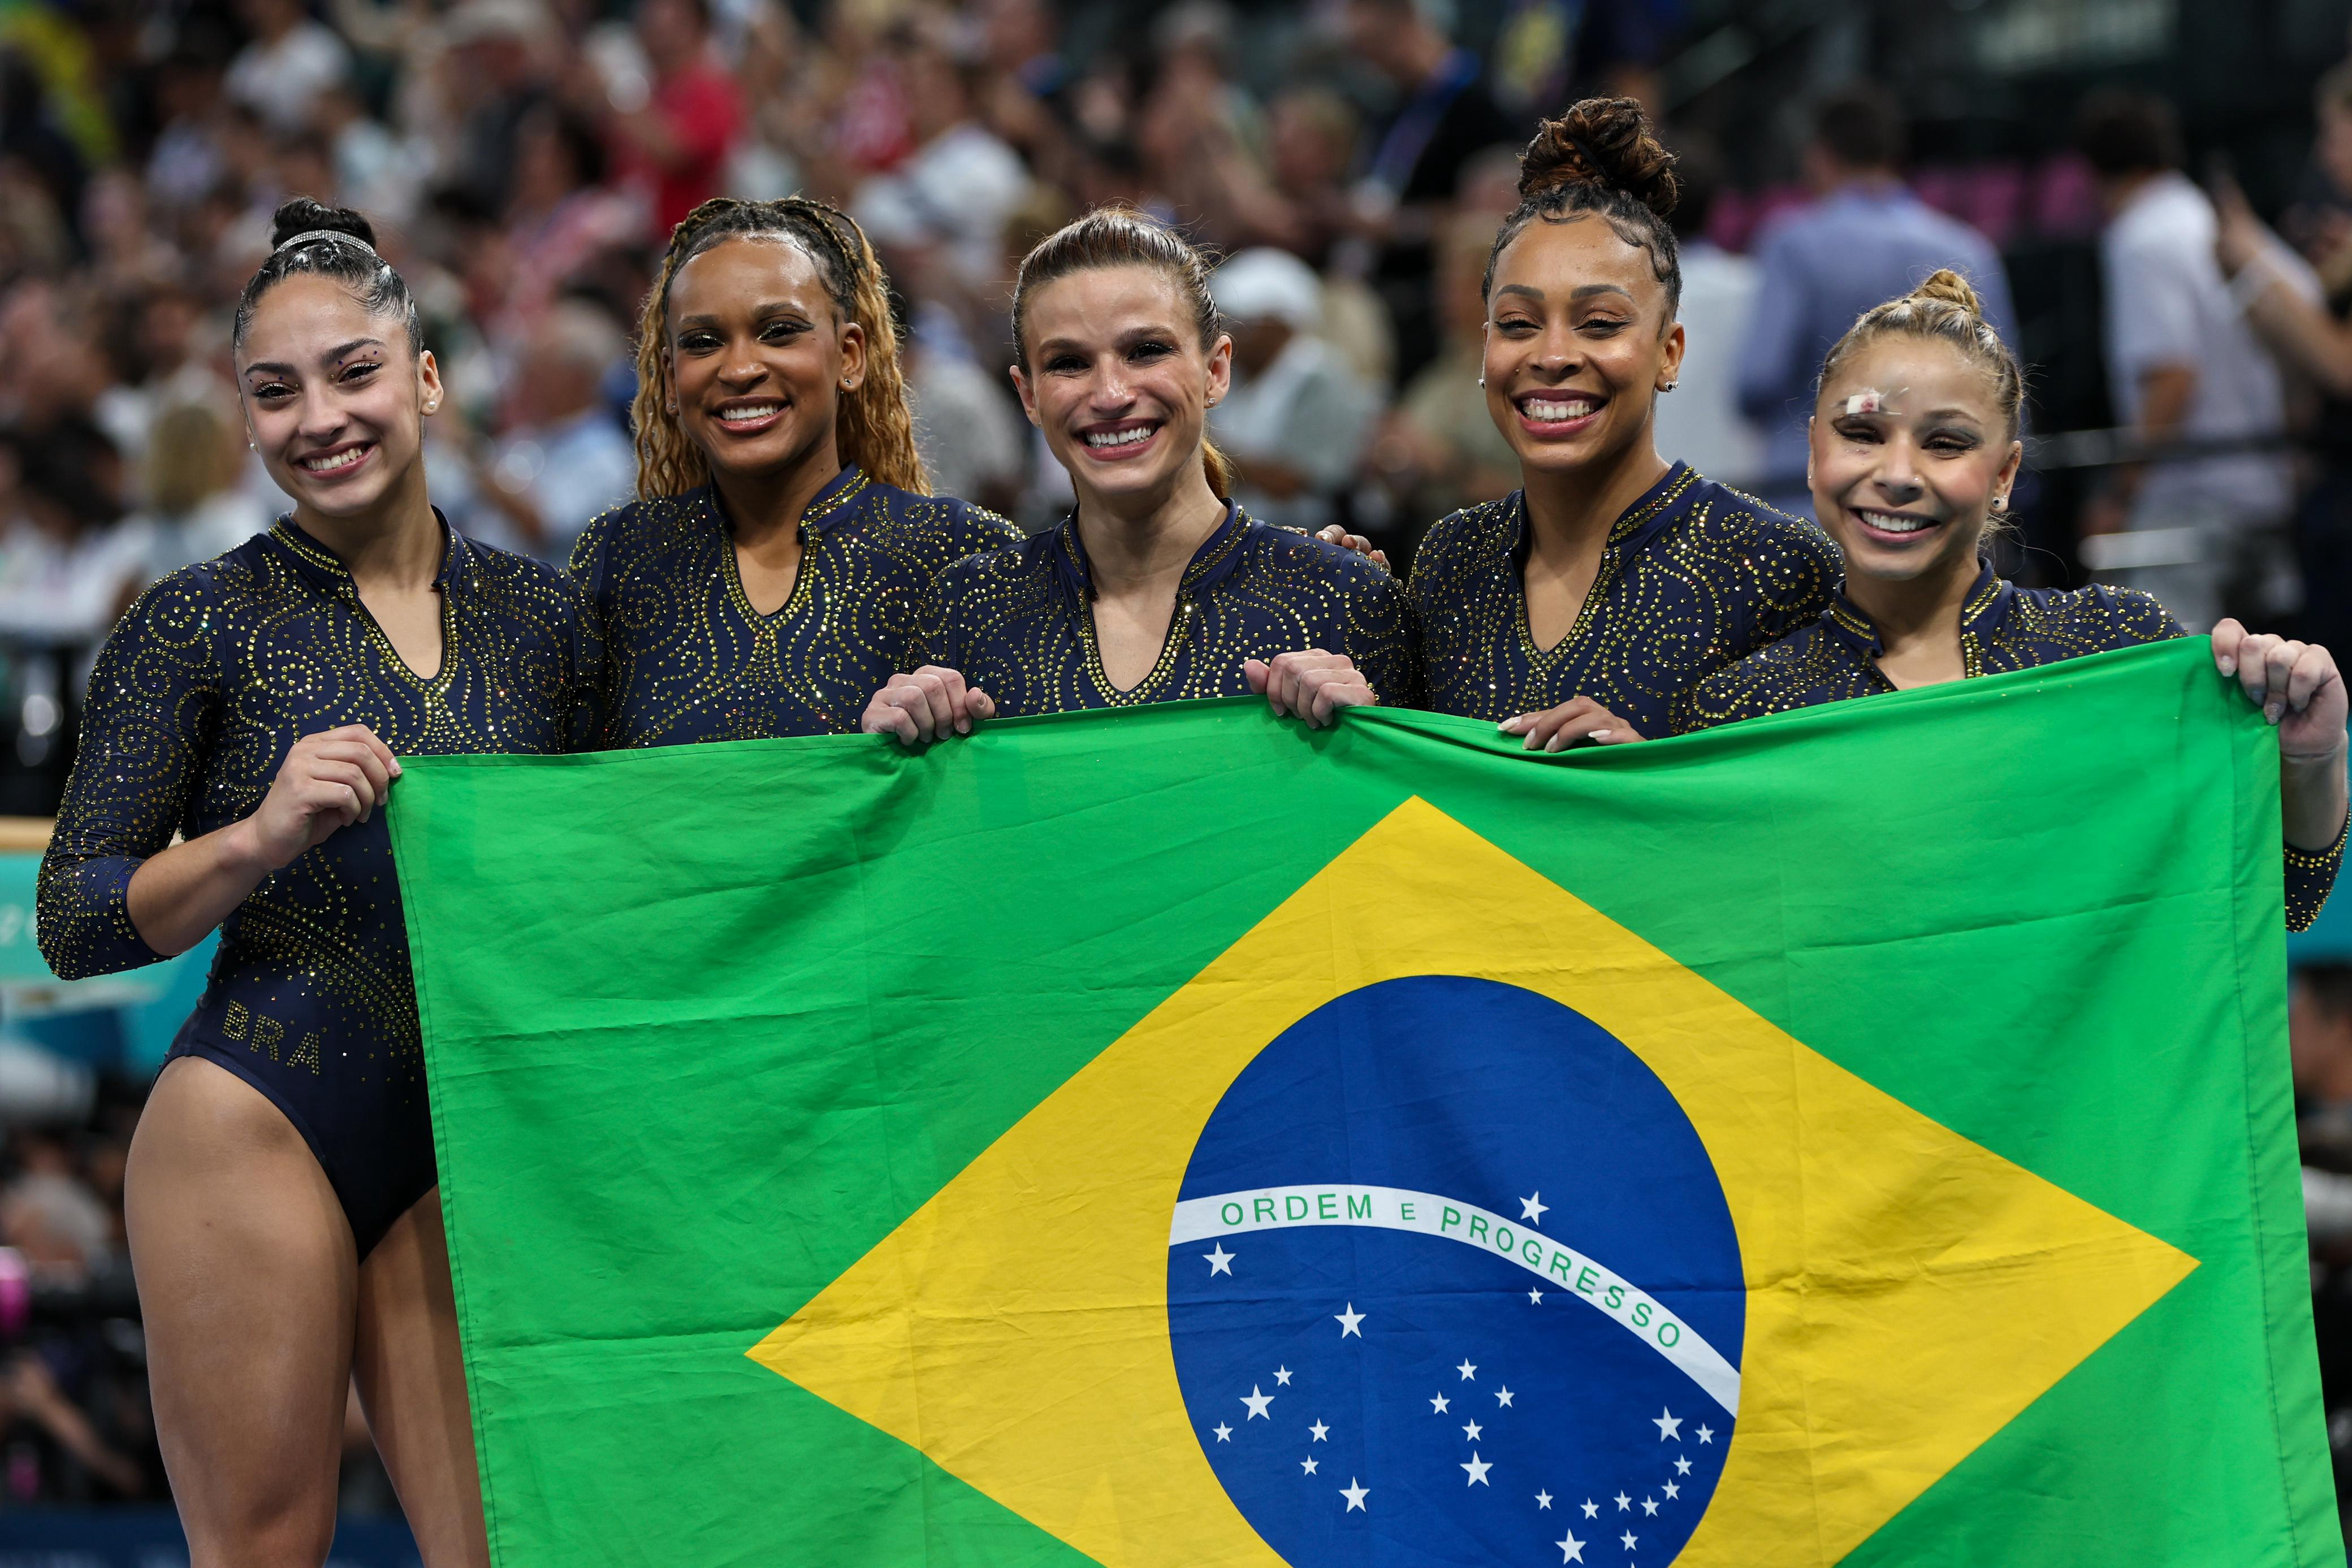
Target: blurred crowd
[(1349, 159)]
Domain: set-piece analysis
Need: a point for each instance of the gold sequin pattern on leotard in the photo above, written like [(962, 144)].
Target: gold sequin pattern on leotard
[(1693, 576), (1018, 622), (676, 652), (212, 676)]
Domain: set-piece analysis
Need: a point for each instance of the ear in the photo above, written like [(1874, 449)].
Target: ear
[(1028, 396), (1220, 370), (2007, 483), (852, 357), (1670, 355), (428, 381), (1809, 424)]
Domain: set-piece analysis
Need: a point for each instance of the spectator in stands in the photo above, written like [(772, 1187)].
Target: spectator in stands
[(2206, 535), (195, 509), (1441, 448), (1702, 422), (1297, 417), (1865, 239), (2319, 1040), (673, 147), (567, 458), (941, 214), (290, 61), (1446, 117)]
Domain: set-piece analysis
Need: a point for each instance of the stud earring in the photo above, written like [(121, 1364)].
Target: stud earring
[(1482, 380)]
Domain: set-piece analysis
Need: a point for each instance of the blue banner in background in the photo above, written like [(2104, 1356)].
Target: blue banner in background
[(151, 1538)]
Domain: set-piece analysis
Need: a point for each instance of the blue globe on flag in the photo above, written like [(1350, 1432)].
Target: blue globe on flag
[(1451, 1279)]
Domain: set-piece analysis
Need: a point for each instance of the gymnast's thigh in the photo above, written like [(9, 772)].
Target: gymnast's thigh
[(247, 1280)]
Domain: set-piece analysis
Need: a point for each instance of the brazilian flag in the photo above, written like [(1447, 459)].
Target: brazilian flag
[(1174, 1138)]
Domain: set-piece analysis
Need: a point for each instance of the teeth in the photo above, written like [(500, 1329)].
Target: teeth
[(745, 412), (339, 460), (1121, 437), (1550, 412), (1888, 523)]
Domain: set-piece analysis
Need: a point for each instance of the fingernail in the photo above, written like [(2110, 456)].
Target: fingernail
[(1600, 735), (395, 768), (2272, 711), (2228, 666), (963, 726)]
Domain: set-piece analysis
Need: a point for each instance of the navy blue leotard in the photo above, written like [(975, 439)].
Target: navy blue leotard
[(2003, 627), (1694, 576), (1018, 622), (210, 679), (675, 654)]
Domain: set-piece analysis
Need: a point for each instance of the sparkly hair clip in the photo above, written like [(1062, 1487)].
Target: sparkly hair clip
[(307, 235)]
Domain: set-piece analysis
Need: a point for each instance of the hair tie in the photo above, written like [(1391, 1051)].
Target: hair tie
[(309, 234), (1583, 151)]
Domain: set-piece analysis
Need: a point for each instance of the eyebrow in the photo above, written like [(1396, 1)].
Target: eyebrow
[(767, 307), (1132, 335), (339, 352)]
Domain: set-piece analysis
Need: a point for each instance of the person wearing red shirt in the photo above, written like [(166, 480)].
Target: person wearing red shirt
[(676, 146)]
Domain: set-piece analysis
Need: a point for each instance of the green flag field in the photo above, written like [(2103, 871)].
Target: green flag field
[(1175, 1138)]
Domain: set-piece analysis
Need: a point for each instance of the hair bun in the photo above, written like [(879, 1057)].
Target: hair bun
[(301, 215), (1951, 288), (1600, 141)]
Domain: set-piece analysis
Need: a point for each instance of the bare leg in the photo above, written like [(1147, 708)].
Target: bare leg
[(412, 1383), (247, 1280)]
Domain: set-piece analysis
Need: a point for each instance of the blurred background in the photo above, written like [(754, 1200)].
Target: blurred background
[(524, 159)]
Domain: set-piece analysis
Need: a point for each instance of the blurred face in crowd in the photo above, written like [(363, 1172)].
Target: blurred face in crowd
[(1578, 344), (670, 32), (1909, 447), (1118, 379), (2334, 147), (759, 357), (333, 398)]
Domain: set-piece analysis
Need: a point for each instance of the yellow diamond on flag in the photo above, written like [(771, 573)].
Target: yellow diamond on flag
[(1908, 1291)]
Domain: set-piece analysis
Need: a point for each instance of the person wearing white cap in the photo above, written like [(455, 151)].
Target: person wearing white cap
[(1298, 419)]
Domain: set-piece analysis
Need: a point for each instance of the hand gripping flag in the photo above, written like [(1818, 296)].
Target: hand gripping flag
[(1176, 1138)]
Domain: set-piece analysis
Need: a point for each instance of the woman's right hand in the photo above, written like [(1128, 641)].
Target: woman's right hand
[(328, 780), (927, 704)]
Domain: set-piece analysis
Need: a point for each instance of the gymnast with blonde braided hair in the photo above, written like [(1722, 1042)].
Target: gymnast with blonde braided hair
[(767, 578)]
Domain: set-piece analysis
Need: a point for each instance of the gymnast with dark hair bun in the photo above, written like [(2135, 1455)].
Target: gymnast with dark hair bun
[(1584, 605), (284, 1220), (768, 577)]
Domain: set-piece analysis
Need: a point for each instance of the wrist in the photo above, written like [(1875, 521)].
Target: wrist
[(242, 851)]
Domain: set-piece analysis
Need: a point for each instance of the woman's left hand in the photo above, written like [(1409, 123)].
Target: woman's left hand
[(2295, 684), (1578, 718), (2299, 689), (1313, 684), (1333, 534)]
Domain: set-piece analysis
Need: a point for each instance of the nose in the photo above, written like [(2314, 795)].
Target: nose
[(1108, 392), (744, 371), (1560, 354), (1898, 473), (321, 422)]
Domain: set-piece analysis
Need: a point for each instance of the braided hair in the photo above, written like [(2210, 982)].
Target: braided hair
[(1602, 157), (876, 426)]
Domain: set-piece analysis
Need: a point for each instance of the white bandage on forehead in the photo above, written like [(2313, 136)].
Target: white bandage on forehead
[(1870, 400)]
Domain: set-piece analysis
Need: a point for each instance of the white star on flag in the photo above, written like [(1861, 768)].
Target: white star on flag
[(1307, 1465), (1347, 1321), (1466, 1369), (1317, 1431), (1668, 1424), (1257, 1402), (1531, 1209), (1470, 1433), (1543, 1500), (1225, 1433), (1571, 1550), (1624, 1503), (1682, 1466), (1629, 1540), (1650, 1508), (1705, 1434), (1220, 1261), (1439, 1404), (1477, 1469), (1673, 1492), (1535, 1298), (1591, 1509), (1355, 1495), (1502, 1397), (1281, 1377)]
